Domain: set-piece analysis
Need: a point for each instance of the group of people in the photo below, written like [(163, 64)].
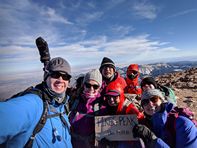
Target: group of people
[(53, 115)]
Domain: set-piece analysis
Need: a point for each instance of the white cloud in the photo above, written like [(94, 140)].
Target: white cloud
[(85, 18), (182, 13), (23, 21), (54, 17), (87, 54), (120, 30), (145, 10)]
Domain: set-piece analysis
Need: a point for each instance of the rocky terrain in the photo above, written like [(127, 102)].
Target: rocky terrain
[(184, 84)]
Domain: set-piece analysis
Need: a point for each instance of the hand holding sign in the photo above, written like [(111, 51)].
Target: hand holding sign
[(143, 132)]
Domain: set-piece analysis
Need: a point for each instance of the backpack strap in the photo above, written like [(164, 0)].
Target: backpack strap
[(75, 104), (39, 125)]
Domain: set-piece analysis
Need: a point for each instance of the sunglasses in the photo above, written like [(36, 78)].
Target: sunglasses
[(56, 75), (147, 101), (109, 97), (88, 85)]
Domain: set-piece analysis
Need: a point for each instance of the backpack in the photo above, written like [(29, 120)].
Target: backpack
[(168, 94), (171, 121), (38, 90)]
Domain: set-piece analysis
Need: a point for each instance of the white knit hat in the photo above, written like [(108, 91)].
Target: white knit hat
[(151, 93), (93, 75)]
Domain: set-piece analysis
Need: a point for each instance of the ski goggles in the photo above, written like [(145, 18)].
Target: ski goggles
[(132, 74)]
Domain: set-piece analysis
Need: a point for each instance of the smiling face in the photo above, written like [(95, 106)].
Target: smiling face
[(107, 71), (152, 105), (57, 82), (91, 88), (113, 100)]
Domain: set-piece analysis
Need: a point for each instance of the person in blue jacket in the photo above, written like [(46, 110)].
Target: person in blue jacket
[(21, 114), (160, 127)]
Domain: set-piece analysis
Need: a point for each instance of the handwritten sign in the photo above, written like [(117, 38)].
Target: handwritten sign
[(115, 128)]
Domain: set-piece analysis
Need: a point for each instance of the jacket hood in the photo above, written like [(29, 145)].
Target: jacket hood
[(117, 85)]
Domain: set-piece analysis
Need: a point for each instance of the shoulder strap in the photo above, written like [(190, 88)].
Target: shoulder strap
[(75, 104), (39, 125)]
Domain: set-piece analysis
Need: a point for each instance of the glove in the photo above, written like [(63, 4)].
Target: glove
[(106, 143), (143, 132)]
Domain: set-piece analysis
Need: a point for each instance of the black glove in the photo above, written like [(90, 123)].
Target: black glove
[(143, 132), (105, 143)]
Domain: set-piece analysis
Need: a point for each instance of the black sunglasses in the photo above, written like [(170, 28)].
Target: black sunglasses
[(88, 85), (108, 97), (147, 101), (56, 75)]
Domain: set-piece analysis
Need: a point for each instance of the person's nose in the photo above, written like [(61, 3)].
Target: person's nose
[(91, 88), (60, 78), (151, 103)]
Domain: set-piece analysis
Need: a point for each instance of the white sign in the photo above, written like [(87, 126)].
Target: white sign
[(115, 128)]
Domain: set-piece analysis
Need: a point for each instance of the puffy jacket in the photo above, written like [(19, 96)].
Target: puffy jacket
[(19, 117), (133, 86), (116, 78), (186, 132), (122, 108)]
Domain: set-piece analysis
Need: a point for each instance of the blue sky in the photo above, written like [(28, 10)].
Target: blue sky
[(84, 31)]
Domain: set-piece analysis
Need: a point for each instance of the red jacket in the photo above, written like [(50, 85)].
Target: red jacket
[(122, 108), (133, 86)]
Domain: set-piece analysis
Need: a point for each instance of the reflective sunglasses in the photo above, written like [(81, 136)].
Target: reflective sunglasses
[(56, 75), (147, 101), (88, 85)]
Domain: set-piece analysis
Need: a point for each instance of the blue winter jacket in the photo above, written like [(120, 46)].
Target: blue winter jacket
[(19, 117), (186, 131)]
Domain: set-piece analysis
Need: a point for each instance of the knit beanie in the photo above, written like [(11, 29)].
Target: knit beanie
[(93, 75), (148, 80), (57, 64), (151, 93), (107, 61)]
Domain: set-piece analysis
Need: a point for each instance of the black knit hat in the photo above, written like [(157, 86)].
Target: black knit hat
[(107, 62), (148, 80)]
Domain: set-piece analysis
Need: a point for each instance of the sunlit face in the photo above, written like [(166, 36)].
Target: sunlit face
[(147, 87), (151, 106), (113, 100), (91, 88), (107, 71), (57, 82)]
